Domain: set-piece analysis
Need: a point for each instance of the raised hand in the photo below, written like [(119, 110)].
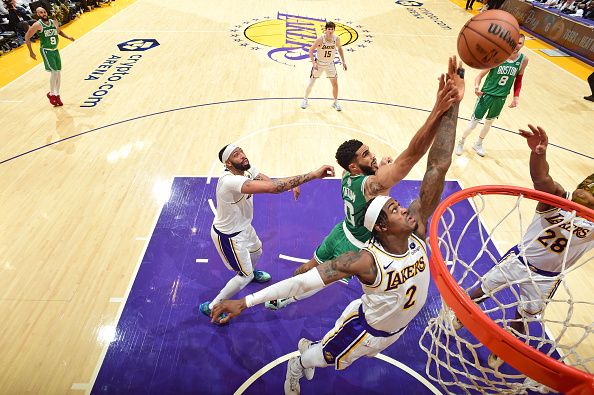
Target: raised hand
[(446, 95), (456, 74), (536, 138), (324, 171)]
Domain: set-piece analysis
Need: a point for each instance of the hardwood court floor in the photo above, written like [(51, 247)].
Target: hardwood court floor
[(82, 184)]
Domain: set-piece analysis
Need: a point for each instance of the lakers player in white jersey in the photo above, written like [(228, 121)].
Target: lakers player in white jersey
[(323, 62), (552, 243), (232, 232), (392, 268)]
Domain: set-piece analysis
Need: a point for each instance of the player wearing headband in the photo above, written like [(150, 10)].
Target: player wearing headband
[(392, 268), (232, 232)]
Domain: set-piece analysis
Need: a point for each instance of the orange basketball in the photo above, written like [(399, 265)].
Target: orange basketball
[(488, 39)]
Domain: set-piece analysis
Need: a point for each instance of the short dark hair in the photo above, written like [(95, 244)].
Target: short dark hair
[(587, 184), (381, 220), (345, 154), (221, 152), (330, 25)]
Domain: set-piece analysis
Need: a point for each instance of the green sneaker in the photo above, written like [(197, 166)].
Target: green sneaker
[(261, 276)]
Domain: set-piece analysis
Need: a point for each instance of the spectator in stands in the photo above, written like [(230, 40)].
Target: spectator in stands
[(591, 82), (16, 22), (589, 10)]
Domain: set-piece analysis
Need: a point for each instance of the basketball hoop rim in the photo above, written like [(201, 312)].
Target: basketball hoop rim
[(529, 361)]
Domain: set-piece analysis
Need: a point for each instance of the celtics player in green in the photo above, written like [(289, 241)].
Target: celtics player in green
[(363, 179), (493, 95), (48, 30)]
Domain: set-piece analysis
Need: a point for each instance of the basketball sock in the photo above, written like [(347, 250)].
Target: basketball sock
[(313, 357), (52, 83), (312, 81), (471, 125), (58, 81), (485, 130), (233, 286)]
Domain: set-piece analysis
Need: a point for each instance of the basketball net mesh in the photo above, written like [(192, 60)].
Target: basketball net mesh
[(456, 359)]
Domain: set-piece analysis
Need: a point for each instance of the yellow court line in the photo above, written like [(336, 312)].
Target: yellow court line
[(573, 65), (17, 62)]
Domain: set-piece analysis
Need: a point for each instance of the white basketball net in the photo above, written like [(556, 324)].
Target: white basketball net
[(458, 361)]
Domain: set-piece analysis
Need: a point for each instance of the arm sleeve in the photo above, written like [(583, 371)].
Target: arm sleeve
[(518, 85), (293, 286)]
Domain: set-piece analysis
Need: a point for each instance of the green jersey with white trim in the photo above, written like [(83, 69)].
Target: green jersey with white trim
[(48, 36), (353, 195), (500, 79)]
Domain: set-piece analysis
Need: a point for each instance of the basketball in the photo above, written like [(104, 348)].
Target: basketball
[(488, 39)]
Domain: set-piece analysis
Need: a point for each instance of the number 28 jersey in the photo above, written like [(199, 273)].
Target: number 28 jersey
[(548, 251)]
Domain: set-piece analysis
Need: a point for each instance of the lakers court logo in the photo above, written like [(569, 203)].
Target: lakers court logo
[(287, 38)]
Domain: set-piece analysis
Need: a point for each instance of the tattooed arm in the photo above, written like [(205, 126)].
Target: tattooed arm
[(360, 264), (284, 184), (389, 175), (439, 158)]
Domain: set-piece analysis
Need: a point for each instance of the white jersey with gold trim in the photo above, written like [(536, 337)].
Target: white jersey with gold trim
[(548, 251), (327, 51), (400, 288), (235, 210)]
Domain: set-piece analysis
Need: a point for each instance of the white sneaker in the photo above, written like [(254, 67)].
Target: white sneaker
[(459, 148), (478, 147), (336, 105), (303, 345), (276, 304), (494, 361), (304, 104), (292, 379)]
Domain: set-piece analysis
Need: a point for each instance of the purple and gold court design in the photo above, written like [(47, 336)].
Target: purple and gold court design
[(163, 345)]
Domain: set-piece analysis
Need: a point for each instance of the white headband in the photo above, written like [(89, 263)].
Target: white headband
[(227, 153), (373, 211)]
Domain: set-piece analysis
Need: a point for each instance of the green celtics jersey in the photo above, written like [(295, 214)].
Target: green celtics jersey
[(500, 79), (48, 36), (353, 195)]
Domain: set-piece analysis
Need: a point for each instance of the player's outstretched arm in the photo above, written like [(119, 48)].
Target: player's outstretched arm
[(351, 263), (440, 156), (389, 175), (538, 141), (284, 184)]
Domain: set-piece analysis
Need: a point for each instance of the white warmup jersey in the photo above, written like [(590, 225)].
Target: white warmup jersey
[(400, 288), (235, 210), (325, 54), (548, 251)]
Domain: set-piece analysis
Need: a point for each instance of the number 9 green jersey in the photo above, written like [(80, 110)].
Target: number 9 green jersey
[(48, 36)]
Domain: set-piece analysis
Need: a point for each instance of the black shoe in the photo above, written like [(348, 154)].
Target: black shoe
[(590, 98)]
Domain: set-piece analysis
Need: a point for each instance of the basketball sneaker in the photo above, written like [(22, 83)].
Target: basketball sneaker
[(590, 98), (478, 148), (494, 361), (294, 373), (276, 304), (303, 345), (304, 104), (204, 309), (459, 148), (336, 105), (58, 100), (52, 99), (261, 276)]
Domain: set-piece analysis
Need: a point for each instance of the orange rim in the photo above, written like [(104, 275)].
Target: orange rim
[(519, 355)]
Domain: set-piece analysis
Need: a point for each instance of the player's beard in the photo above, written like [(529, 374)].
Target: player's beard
[(367, 170), (45, 19), (241, 167)]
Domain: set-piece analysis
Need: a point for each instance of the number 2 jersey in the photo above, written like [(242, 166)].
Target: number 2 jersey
[(548, 250), (400, 287)]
